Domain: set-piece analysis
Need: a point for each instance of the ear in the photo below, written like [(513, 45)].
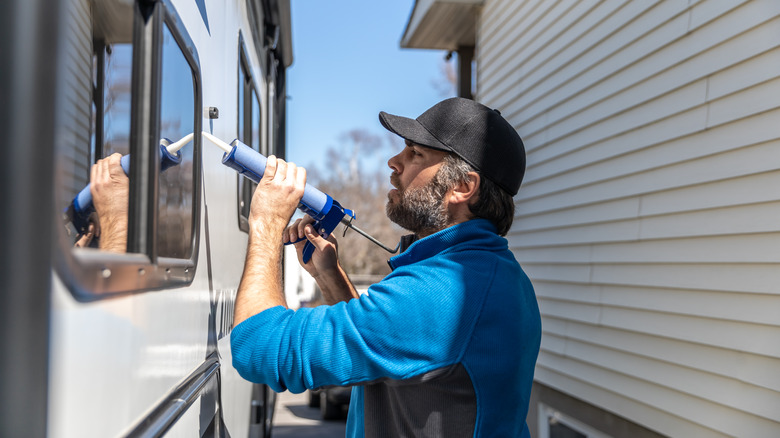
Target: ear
[(466, 191)]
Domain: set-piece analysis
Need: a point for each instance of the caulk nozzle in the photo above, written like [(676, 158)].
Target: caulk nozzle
[(222, 145), (174, 147)]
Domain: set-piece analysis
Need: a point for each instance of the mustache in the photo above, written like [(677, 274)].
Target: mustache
[(395, 180)]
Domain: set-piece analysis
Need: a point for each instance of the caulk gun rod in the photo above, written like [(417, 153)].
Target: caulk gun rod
[(347, 221), (222, 145)]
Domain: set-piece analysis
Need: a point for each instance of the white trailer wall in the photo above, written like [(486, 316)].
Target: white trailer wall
[(649, 217)]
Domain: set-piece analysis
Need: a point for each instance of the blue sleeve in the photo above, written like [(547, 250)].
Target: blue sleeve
[(412, 322)]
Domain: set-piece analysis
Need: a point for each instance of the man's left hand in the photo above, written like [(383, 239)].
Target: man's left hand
[(110, 189), (273, 204), (276, 197)]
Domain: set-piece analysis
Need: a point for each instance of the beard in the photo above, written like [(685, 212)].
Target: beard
[(419, 209)]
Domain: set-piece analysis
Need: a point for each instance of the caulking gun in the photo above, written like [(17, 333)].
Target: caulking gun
[(326, 211), (80, 208)]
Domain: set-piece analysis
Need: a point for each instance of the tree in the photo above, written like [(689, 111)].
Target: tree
[(355, 174), (447, 82)]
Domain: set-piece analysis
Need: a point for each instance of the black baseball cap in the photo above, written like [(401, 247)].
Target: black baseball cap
[(472, 131)]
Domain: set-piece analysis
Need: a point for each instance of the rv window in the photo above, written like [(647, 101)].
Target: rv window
[(125, 99), (176, 196), (249, 131), (252, 139), (109, 132)]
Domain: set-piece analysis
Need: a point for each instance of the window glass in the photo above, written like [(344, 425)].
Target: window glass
[(246, 186), (109, 133), (116, 100), (249, 132), (176, 184), (256, 139), (242, 87)]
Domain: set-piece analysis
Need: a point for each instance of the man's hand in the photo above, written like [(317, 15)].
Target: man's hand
[(93, 230), (110, 189), (325, 256), (324, 265), (276, 197)]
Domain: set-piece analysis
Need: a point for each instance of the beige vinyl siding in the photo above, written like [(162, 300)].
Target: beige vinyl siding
[(649, 217)]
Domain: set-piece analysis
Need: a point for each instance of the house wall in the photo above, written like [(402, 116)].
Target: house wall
[(649, 217)]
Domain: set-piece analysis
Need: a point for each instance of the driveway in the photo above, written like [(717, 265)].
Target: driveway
[(294, 418)]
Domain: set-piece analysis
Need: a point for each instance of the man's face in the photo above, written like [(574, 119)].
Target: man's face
[(418, 201)]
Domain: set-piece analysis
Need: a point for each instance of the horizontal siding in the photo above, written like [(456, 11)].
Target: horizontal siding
[(648, 216), (753, 249), (722, 420), (637, 410), (750, 369), (681, 323), (687, 382), (76, 106)]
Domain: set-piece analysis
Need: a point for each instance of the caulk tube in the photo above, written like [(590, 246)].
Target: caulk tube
[(251, 164), (327, 213), (81, 207)]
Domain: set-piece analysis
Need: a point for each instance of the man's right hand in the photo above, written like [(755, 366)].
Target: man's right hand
[(325, 256), (324, 265)]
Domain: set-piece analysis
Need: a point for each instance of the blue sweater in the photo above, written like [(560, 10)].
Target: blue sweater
[(445, 345)]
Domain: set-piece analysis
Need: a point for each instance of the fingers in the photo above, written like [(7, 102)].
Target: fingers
[(277, 195), (106, 168), (85, 239), (300, 178), (113, 165), (113, 159), (294, 232), (271, 166), (290, 233), (296, 175), (318, 241), (278, 170)]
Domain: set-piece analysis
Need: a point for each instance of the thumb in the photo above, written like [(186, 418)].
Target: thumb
[(318, 241)]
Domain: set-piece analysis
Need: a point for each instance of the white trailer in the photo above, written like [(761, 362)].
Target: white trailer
[(134, 343)]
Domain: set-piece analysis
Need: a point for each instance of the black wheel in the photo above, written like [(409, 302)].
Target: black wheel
[(314, 399), (270, 408), (328, 409), (262, 411)]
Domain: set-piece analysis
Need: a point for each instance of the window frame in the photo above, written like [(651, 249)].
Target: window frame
[(91, 274)]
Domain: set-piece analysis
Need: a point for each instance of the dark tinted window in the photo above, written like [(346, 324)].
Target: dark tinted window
[(176, 184)]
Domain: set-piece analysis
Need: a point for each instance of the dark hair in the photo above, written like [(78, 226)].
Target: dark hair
[(493, 203)]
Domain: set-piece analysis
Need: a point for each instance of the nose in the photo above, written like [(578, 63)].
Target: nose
[(395, 163)]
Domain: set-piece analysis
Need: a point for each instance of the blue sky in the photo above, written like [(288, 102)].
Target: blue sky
[(348, 66)]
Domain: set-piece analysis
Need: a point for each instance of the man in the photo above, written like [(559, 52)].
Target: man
[(445, 345)]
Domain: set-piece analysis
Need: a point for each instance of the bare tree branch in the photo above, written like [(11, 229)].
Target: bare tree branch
[(363, 189)]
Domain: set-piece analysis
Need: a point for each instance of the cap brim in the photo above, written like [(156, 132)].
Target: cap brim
[(411, 130)]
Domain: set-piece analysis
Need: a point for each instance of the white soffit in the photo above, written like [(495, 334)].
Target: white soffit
[(441, 24)]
